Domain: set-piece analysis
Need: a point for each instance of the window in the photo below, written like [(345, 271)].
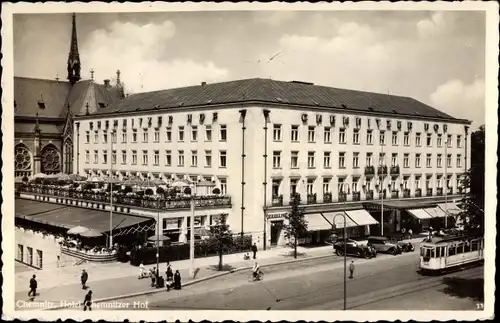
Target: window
[(428, 182), (293, 186), (96, 137), (394, 138), (113, 157), (342, 136), (145, 135), (326, 159), (113, 137), (168, 158), (440, 140), (394, 159), (295, 159), (276, 159), (208, 158), (448, 160), (381, 159), (418, 143), (156, 158), (124, 157), (355, 160), (429, 140), (105, 156), (134, 157), (355, 137), (459, 161), (134, 135), (326, 185), (439, 160), (327, 135), (223, 186), (342, 160), (168, 134), (208, 133), (277, 132), (417, 160), (406, 139), (276, 187), (87, 156), (223, 132), (448, 141), (144, 157), (30, 256), (369, 137), (417, 182), (20, 252), (459, 141), (355, 184), (428, 161), (104, 138), (341, 186), (406, 160), (124, 136), (310, 159), (222, 158), (194, 133), (87, 137), (310, 186), (294, 134), (181, 133), (194, 158), (157, 135), (311, 134), (369, 159), (180, 158), (382, 137)]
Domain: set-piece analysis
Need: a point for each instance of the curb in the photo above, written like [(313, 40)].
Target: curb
[(192, 282)]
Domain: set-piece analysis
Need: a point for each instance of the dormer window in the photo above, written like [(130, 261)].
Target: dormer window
[(41, 104), (102, 105)]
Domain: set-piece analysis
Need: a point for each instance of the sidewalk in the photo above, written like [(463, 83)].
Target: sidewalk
[(117, 279)]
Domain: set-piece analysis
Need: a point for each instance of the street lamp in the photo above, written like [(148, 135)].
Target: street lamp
[(191, 242), (334, 227), (381, 190), (111, 191)]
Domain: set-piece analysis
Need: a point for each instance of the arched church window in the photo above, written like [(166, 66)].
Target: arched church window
[(68, 156), (51, 161), (22, 158)]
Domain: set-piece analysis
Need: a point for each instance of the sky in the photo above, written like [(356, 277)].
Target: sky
[(435, 57)]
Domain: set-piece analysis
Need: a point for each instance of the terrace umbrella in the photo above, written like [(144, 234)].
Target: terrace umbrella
[(76, 177), (158, 238), (131, 182), (180, 184), (84, 231), (18, 179), (39, 175), (112, 180), (159, 181), (55, 176), (95, 179), (65, 178)]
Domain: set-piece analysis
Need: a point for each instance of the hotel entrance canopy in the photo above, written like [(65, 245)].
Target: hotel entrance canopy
[(323, 220)]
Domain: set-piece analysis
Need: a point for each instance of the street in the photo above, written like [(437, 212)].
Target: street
[(389, 280)]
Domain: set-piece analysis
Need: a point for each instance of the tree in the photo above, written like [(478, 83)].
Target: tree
[(472, 186), (295, 224), (220, 238)]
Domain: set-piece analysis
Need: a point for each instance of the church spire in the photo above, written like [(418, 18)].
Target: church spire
[(74, 56)]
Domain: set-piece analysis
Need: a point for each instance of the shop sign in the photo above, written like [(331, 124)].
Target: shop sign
[(172, 224), (276, 216)]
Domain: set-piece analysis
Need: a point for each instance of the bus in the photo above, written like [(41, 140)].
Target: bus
[(438, 255)]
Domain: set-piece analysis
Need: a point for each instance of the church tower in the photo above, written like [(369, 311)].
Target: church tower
[(74, 57)]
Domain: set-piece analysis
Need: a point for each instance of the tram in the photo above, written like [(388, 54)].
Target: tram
[(438, 255)]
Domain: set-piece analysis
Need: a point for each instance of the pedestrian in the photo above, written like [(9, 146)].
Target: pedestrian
[(177, 280), (351, 270), (33, 286), (410, 233), (153, 277), (169, 273), (84, 278), (254, 250), (87, 301)]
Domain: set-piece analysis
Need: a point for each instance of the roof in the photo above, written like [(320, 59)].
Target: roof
[(45, 128), (69, 216), (277, 92)]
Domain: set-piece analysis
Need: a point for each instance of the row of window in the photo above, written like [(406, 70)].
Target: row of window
[(356, 184), (168, 161), (181, 134), (29, 256), (327, 160), (342, 138)]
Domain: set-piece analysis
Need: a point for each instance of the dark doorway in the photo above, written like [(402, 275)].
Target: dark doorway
[(276, 227)]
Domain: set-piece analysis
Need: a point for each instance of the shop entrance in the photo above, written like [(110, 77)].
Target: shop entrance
[(276, 228)]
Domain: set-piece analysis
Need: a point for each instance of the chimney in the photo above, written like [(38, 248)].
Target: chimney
[(106, 83), (203, 83)]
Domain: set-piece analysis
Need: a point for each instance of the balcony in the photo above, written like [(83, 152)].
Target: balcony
[(369, 195), (277, 200), (369, 170), (382, 170), (394, 194), (429, 192), (88, 198), (327, 197), (439, 191), (294, 196), (418, 192), (311, 198), (356, 196), (406, 193), (342, 197), (395, 170)]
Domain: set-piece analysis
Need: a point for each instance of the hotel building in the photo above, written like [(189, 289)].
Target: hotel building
[(260, 141)]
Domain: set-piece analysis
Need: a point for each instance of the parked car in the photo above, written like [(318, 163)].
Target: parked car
[(383, 245), (406, 246), (353, 248)]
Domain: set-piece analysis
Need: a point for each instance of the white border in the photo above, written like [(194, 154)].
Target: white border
[(492, 41)]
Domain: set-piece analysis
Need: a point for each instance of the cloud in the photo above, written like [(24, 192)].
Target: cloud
[(438, 24), (462, 100), (138, 52)]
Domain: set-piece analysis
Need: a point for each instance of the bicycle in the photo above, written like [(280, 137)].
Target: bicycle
[(259, 277)]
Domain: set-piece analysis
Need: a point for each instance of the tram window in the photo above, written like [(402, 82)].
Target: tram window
[(460, 248), (439, 251), (474, 245), (433, 255), (451, 250)]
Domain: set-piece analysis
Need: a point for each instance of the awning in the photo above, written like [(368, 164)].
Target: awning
[(435, 212), (420, 214), (316, 222), (361, 217), (451, 208)]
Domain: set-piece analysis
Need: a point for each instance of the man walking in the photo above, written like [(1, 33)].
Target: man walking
[(87, 302), (254, 250), (351, 270), (33, 286), (84, 278)]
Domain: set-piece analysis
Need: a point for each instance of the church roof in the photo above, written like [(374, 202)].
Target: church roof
[(275, 92)]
